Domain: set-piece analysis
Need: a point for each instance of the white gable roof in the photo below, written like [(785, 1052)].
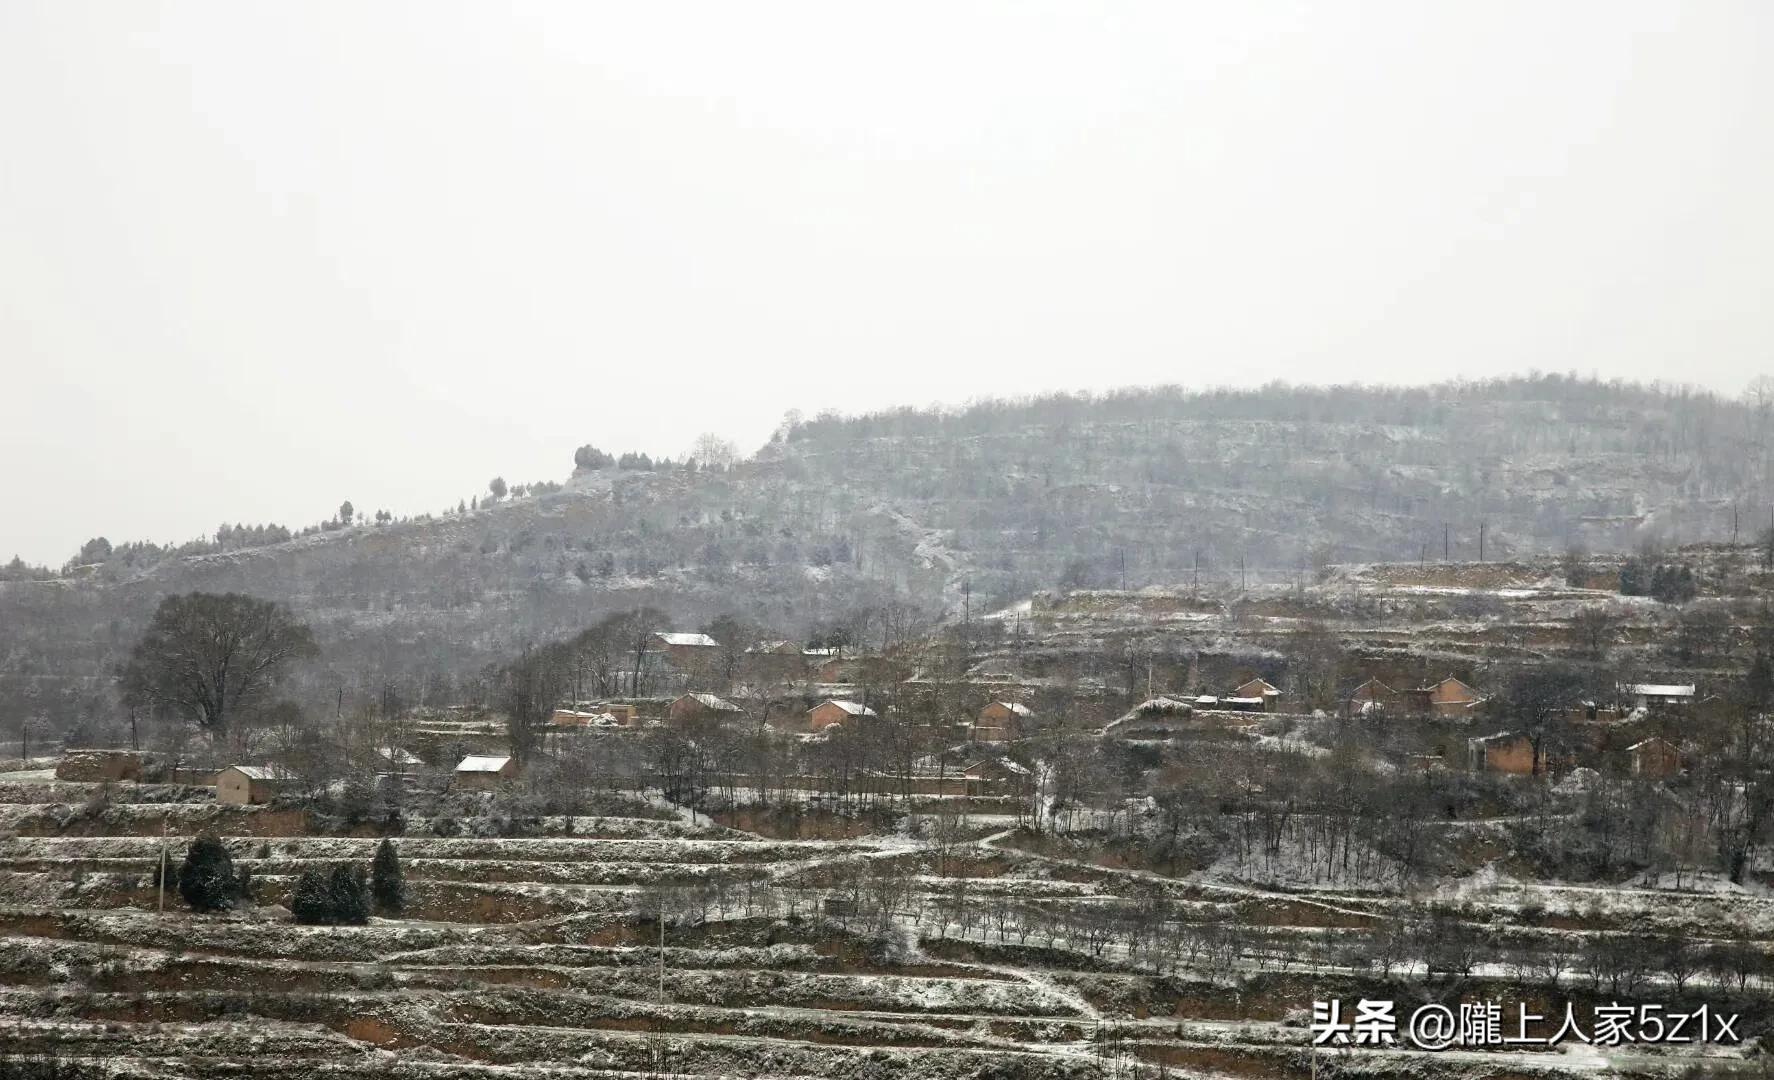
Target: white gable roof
[(672, 638), (479, 763), (1016, 708), (854, 708), (1660, 689), (718, 704), (264, 772)]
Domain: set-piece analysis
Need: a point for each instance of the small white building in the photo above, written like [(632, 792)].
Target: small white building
[(399, 759), (1647, 695), (244, 785), (483, 772)]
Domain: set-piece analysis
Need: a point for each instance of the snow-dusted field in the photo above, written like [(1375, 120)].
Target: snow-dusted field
[(877, 956)]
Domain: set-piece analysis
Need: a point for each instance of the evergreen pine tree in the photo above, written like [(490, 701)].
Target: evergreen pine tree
[(349, 891), (206, 877), (311, 901), (386, 883)]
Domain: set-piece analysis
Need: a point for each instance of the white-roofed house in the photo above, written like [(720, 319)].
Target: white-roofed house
[(775, 660), (696, 656), (693, 708), (244, 785), (398, 759), (828, 713), (1650, 695), (484, 772), (1264, 693)]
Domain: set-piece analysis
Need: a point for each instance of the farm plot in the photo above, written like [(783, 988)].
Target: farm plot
[(658, 947)]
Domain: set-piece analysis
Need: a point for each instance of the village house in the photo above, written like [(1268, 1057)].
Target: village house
[(1654, 758), (98, 766), (777, 648), (243, 785), (700, 708), (1255, 695), (776, 660), (1372, 697), (1240, 704), (581, 718), (988, 774), (1505, 752), (1001, 721), (1658, 695), (398, 760), (687, 652), (199, 771), (827, 713), (1448, 698), (627, 714), (484, 772)]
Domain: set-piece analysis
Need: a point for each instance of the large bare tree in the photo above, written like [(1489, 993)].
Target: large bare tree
[(529, 689), (211, 658)]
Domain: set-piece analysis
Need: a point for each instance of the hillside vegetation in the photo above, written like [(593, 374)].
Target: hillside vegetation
[(895, 512)]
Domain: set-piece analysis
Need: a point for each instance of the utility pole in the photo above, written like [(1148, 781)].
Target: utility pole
[(662, 947), (1241, 584), (1481, 528), (162, 891), (1197, 586), (1123, 569), (135, 743), (966, 620), (1445, 549), (24, 739)]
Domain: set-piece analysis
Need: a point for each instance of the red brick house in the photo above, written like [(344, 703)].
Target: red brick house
[(1654, 758), (827, 713), (1261, 692), (701, 708), (1371, 697), (1505, 752), (1449, 698), (688, 652), (1001, 721)]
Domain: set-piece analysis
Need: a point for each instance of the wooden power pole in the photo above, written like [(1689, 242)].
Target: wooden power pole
[(162, 891)]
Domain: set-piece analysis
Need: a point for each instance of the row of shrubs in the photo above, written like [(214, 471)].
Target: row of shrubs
[(208, 881)]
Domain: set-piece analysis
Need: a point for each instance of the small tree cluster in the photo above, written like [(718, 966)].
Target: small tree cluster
[(340, 895), (345, 895), (207, 880), (1669, 583), (590, 457)]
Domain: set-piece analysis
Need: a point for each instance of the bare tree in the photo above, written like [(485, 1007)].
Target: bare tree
[(210, 657), (1593, 626), (711, 449), (529, 689), (1541, 700)]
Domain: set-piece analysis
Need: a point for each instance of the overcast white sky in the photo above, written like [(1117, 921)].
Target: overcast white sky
[(257, 258)]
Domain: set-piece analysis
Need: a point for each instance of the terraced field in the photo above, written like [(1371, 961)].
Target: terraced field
[(546, 956)]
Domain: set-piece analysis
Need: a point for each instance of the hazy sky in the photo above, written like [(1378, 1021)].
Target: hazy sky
[(258, 258)]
